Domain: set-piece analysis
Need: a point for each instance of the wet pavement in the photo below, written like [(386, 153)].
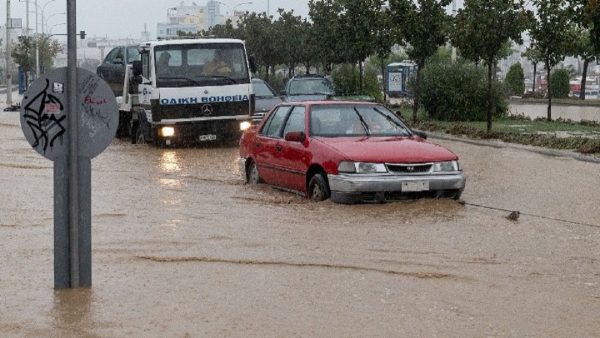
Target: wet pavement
[(182, 248)]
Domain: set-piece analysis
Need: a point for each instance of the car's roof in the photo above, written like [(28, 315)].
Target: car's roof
[(330, 103), (190, 41)]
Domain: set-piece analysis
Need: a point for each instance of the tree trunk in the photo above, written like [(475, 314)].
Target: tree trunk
[(267, 73), (417, 91), (548, 69), (489, 99), (360, 73), (586, 62), (383, 77), (534, 74)]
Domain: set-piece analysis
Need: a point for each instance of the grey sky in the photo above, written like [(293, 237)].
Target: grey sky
[(126, 18)]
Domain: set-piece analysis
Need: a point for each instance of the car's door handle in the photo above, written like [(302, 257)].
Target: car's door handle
[(278, 147)]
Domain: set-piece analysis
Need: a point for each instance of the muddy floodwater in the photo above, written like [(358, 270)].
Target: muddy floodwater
[(183, 248)]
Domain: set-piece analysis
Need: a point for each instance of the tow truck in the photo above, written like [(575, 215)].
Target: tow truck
[(174, 96)]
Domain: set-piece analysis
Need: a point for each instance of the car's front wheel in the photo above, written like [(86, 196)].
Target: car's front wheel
[(318, 189)]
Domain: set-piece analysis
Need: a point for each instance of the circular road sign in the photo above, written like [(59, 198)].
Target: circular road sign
[(44, 117)]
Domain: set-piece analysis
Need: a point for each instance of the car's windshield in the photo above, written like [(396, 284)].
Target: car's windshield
[(355, 120), (189, 65), (320, 86), (261, 89)]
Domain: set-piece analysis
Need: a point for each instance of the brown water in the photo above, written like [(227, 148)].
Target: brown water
[(182, 248), (565, 112)]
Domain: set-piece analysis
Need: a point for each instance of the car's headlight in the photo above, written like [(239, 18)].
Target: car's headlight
[(361, 167), (245, 125), (446, 166), (167, 131)]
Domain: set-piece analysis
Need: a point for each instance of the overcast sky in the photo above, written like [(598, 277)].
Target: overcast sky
[(126, 18)]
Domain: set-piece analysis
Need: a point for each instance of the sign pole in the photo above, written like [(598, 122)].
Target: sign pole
[(69, 116), (7, 70)]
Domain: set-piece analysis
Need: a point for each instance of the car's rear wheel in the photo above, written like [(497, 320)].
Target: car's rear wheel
[(252, 175), (318, 189)]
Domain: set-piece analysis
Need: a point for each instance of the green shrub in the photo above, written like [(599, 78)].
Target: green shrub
[(515, 80), (458, 91), (559, 83), (346, 80)]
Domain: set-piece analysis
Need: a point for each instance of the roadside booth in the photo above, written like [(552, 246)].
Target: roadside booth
[(397, 75)]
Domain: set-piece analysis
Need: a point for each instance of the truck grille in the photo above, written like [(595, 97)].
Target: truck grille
[(186, 111)]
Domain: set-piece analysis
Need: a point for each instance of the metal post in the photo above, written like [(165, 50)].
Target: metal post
[(7, 55), (27, 18), (73, 130), (37, 48)]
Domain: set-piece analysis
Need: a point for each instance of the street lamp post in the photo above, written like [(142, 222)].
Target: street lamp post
[(231, 9), (7, 55), (50, 16)]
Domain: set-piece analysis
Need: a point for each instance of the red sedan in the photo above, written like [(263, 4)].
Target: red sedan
[(349, 151)]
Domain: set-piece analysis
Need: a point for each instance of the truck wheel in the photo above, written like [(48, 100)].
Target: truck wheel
[(139, 136), (135, 127)]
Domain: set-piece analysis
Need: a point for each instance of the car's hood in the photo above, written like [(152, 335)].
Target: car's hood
[(388, 149)]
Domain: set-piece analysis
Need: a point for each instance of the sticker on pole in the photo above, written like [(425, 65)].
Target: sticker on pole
[(44, 114)]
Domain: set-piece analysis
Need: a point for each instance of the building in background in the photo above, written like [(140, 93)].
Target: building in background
[(189, 19)]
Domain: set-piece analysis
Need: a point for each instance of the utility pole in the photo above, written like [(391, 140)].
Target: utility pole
[(27, 18), (7, 55), (37, 48)]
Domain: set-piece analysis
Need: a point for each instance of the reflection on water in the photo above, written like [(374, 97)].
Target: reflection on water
[(72, 311), (170, 182), (170, 161)]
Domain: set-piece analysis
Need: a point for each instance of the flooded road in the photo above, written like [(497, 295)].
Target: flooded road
[(182, 248)]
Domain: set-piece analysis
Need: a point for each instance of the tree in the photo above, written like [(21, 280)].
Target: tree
[(552, 35), (481, 30), (289, 33), (424, 25), (591, 20), (382, 40), (586, 51), (24, 52), (515, 80), (534, 56), (559, 83), (357, 20), (326, 32), (257, 30)]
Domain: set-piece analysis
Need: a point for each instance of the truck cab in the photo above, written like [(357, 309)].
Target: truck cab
[(187, 91)]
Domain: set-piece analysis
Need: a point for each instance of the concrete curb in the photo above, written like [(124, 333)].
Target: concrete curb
[(501, 144)]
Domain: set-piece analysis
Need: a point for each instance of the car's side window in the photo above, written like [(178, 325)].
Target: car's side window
[(112, 55), (133, 54), (295, 121), (119, 57), (272, 127)]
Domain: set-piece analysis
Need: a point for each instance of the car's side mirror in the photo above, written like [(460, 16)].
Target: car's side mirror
[(295, 136), (282, 93), (420, 133), (137, 68)]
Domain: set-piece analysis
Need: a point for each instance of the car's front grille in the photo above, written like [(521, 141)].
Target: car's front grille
[(409, 168)]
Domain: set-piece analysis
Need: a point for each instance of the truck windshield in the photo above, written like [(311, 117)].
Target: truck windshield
[(192, 65)]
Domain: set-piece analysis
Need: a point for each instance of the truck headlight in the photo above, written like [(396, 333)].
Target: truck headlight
[(167, 131), (446, 166), (361, 167), (245, 125)]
